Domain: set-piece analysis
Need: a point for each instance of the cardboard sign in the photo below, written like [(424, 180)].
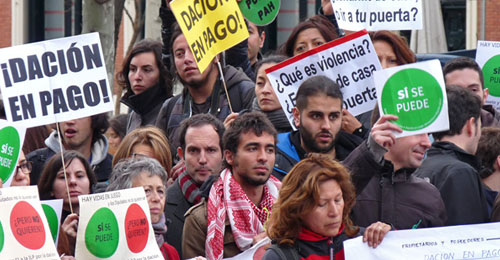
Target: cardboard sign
[(373, 15), (54, 81), (116, 225), (210, 27), (11, 144), (24, 231), (416, 94), (488, 58), (349, 61), (53, 212), (260, 12), (456, 242)]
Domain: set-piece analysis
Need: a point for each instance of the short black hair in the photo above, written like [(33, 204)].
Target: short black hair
[(488, 150), (315, 86), (99, 126), (255, 122), (269, 59), (198, 121), (462, 105), (461, 63)]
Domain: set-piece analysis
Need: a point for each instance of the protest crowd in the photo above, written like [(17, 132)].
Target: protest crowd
[(226, 164)]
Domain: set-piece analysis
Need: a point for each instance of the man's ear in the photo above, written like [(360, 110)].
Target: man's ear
[(180, 153), (486, 93), (296, 116), (262, 39), (472, 126), (229, 157), (496, 165)]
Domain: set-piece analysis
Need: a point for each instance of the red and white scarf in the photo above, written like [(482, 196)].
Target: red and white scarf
[(189, 188), (246, 219)]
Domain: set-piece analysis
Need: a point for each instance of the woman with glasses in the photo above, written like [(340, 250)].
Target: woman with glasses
[(146, 142), (146, 172), (22, 173)]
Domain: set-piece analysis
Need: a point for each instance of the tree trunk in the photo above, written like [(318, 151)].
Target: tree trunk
[(99, 16)]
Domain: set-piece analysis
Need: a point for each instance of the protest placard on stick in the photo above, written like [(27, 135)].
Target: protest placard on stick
[(24, 231), (416, 94), (376, 15), (116, 225), (488, 58), (210, 27), (55, 80), (349, 61), (260, 12)]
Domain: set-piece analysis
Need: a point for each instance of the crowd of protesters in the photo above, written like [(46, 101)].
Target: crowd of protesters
[(223, 171)]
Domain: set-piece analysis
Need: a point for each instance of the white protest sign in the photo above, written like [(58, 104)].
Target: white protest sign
[(116, 225), (24, 231), (374, 15), (53, 211), (11, 144), (481, 241), (416, 94), (488, 58), (349, 61), (54, 81)]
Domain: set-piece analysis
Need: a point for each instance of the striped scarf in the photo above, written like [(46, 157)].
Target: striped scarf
[(227, 198), (189, 188)]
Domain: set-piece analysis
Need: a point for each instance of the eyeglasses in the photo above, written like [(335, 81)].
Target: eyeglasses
[(25, 167)]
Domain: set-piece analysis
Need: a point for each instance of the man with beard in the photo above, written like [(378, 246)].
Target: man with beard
[(203, 92), (200, 151), (318, 116), (232, 218)]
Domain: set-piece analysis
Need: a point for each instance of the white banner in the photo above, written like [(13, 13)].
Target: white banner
[(24, 231), (488, 58), (349, 61), (116, 225), (480, 241), (374, 15), (54, 81)]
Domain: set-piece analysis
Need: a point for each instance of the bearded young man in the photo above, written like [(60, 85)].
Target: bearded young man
[(318, 116)]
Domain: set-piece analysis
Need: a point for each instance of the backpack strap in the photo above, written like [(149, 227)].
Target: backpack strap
[(285, 252)]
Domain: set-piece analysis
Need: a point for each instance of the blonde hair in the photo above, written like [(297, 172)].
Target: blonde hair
[(151, 136)]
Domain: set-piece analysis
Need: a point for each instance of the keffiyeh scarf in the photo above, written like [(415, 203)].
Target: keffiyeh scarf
[(245, 218)]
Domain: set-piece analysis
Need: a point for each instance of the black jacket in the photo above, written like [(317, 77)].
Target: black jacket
[(145, 106), (241, 92), (455, 173), (176, 206), (393, 197)]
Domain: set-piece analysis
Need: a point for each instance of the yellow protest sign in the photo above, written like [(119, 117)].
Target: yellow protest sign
[(210, 26)]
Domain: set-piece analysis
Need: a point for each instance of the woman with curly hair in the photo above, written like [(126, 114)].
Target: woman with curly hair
[(311, 215)]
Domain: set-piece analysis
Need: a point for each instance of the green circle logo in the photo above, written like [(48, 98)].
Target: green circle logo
[(260, 12), (9, 151), (101, 234), (491, 73), (2, 237), (413, 95), (51, 215)]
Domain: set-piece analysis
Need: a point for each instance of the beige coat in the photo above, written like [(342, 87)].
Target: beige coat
[(195, 233)]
